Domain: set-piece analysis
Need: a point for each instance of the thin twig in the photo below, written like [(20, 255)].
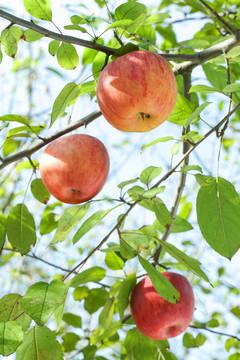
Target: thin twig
[(183, 175), (27, 153), (166, 176), (217, 16), (103, 241), (214, 331)]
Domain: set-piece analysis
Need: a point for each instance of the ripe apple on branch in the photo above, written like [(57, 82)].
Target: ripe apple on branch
[(74, 168), (157, 318), (137, 91)]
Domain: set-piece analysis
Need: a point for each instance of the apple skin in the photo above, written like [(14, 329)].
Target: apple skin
[(157, 318), (137, 91), (74, 168)]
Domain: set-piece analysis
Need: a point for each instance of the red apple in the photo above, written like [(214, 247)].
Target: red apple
[(157, 318), (74, 168), (137, 92)]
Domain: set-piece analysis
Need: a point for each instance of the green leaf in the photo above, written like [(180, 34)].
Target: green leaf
[(139, 346), (99, 334), (72, 320), (236, 311), (95, 300), (180, 225), (81, 293), (10, 38), (16, 118), (132, 11), (232, 88), (203, 89), (163, 215), (94, 274), (196, 113), (68, 220), (176, 148), (218, 214), (136, 192), (2, 236), (120, 23), (68, 94), (48, 223), (39, 8), (182, 110), (31, 35), (148, 174), (20, 228), (188, 340), (11, 309), (90, 223), (42, 299), (216, 75), (124, 293), (190, 263), (161, 284), (126, 251), (39, 340), (11, 336), (127, 182), (106, 316), (40, 191), (156, 18), (53, 47), (151, 193), (187, 168), (162, 139), (113, 261), (135, 239), (75, 27), (67, 56)]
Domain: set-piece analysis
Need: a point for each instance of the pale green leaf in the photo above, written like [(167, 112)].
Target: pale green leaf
[(163, 139), (69, 93), (190, 263), (39, 8), (67, 56), (21, 228), (40, 191), (91, 222), (42, 300), (148, 174), (124, 293), (182, 110), (94, 274), (11, 336), (68, 220), (196, 113)]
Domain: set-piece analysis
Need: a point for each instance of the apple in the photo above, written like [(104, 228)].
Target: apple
[(137, 91), (157, 318), (74, 168)]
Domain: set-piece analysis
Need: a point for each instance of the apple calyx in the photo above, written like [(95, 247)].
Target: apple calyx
[(143, 116)]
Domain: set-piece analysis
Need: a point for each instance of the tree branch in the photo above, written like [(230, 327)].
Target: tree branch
[(214, 331), (27, 153), (217, 16), (185, 156), (56, 36), (183, 176), (190, 60)]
